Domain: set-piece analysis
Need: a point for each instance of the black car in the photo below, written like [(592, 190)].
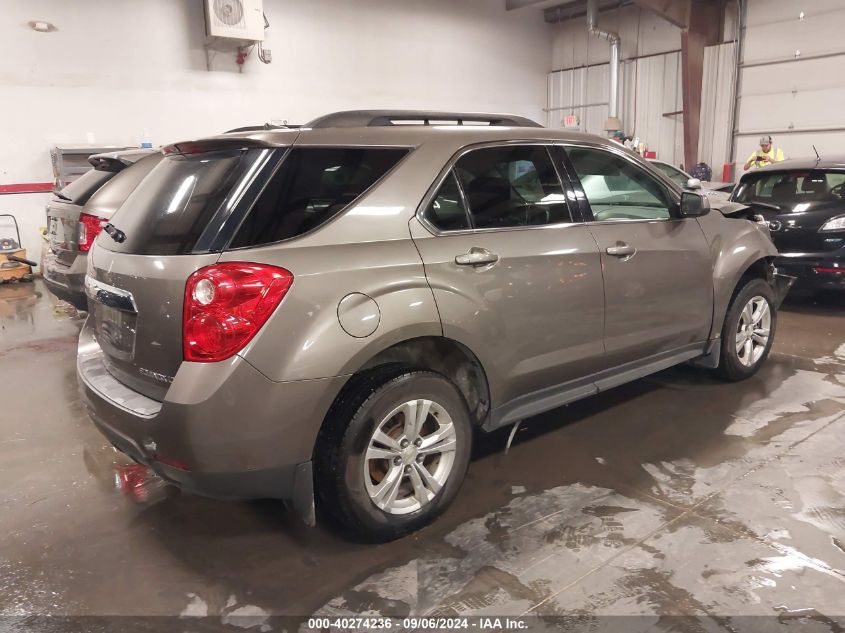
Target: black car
[(803, 202)]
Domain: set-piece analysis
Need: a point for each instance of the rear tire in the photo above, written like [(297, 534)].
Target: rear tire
[(748, 331), (392, 453)]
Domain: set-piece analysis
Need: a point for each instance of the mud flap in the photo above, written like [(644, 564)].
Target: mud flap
[(302, 498), (710, 358)]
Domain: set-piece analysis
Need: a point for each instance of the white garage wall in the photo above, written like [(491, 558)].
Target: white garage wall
[(793, 79), (118, 67)]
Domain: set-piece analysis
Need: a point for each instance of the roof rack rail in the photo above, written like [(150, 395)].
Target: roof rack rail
[(386, 118)]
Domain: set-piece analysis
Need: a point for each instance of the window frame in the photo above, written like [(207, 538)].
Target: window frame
[(566, 187), (667, 184)]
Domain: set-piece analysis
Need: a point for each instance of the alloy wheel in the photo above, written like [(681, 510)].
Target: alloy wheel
[(753, 330), (410, 456)]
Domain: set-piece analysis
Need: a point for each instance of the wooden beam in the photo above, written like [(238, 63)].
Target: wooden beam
[(675, 11), (705, 25)]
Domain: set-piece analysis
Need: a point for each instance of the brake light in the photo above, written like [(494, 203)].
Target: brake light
[(225, 306), (830, 271), (89, 228)]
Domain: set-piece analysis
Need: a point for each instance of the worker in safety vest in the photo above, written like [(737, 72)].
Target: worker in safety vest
[(766, 155)]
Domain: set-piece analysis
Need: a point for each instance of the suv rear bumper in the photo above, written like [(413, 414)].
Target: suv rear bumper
[(67, 282), (241, 436)]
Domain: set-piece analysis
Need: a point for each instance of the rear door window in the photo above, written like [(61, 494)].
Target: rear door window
[(311, 186), (512, 186)]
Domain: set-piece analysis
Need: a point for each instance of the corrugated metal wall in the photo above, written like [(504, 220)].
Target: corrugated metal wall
[(792, 85), (793, 77), (650, 91), (717, 96), (650, 87)]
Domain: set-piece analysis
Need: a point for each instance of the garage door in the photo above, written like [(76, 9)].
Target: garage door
[(793, 77)]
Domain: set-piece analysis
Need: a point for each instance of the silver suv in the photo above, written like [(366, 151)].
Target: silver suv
[(331, 312)]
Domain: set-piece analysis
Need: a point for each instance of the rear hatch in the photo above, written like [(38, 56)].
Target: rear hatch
[(212, 196), (169, 226)]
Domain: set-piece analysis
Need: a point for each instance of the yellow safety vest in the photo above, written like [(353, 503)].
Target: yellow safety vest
[(775, 153)]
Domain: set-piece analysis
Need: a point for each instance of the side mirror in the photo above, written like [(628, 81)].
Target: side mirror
[(694, 205), (693, 183)]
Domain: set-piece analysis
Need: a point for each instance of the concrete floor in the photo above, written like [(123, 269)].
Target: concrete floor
[(674, 495)]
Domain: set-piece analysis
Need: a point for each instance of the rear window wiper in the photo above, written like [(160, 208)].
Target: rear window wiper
[(115, 233)]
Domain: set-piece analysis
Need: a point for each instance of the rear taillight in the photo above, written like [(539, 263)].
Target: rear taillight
[(226, 304), (89, 228)]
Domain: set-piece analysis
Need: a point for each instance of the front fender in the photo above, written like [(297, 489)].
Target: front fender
[(735, 247)]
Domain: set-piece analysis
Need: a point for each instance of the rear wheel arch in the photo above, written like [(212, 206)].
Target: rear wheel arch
[(444, 356), (439, 354)]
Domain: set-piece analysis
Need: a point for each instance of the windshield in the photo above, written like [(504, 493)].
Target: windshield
[(796, 189), (674, 173)]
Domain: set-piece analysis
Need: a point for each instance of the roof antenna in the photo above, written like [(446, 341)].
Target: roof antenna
[(818, 158)]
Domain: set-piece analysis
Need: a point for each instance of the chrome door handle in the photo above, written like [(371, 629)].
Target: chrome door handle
[(476, 257), (621, 250)]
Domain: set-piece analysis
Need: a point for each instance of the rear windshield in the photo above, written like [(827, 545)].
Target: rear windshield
[(792, 188), (169, 210), (85, 186), (311, 186), (107, 199)]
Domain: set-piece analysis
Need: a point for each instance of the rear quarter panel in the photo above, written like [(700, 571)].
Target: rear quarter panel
[(367, 249), (304, 339)]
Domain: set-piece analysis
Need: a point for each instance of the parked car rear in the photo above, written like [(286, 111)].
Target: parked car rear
[(78, 213), (803, 203)]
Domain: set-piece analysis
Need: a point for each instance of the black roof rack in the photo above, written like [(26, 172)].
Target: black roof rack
[(385, 118)]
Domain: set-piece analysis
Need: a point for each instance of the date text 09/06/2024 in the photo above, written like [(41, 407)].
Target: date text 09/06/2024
[(417, 624)]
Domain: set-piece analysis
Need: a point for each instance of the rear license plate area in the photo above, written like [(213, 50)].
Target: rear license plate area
[(115, 330)]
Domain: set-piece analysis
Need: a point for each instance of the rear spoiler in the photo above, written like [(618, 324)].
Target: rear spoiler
[(215, 144), (117, 161)]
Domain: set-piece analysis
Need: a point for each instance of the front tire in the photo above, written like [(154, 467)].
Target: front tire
[(393, 452), (748, 331)]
